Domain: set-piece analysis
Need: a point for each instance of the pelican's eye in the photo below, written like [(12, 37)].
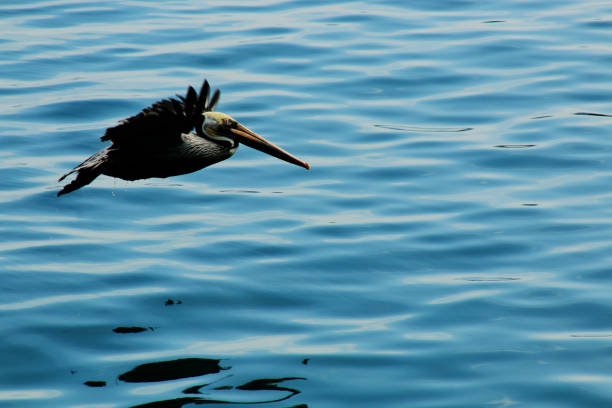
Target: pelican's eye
[(228, 123)]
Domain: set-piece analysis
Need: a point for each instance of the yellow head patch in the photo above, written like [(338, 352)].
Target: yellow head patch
[(215, 117)]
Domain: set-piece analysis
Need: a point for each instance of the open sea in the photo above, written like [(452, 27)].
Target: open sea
[(450, 247)]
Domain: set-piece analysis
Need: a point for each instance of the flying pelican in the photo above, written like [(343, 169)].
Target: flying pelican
[(160, 141)]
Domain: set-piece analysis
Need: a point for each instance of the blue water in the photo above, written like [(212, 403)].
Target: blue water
[(451, 246)]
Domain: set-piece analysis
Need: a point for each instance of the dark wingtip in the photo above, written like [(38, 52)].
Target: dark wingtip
[(83, 178), (67, 189), (204, 95), (214, 100), (191, 99), (190, 96)]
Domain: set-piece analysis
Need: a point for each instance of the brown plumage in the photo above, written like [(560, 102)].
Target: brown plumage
[(160, 141)]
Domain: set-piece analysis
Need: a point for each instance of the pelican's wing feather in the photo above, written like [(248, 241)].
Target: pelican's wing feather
[(165, 120)]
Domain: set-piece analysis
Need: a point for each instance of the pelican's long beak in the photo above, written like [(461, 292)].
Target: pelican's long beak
[(255, 141)]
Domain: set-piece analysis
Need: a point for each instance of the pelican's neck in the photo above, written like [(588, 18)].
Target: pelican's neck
[(198, 146)]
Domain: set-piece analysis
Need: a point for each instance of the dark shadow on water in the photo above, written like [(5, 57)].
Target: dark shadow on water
[(264, 384), (211, 390), (131, 329), (95, 383), (592, 114), (240, 191), (181, 402), (514, 146), (492, 279), (172, 370), (422, 129)]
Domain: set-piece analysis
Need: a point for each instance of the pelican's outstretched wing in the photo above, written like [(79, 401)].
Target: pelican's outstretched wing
[(164, 121)]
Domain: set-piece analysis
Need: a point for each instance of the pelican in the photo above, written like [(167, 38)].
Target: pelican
[(160, 141)]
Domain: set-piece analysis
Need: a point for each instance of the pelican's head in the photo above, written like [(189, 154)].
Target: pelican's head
[(225, 130)]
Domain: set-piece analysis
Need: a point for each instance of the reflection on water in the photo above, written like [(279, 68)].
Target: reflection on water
[(171, 370), (132, 329), (204, 387), (593, 114), (515, 146), (422, 129)]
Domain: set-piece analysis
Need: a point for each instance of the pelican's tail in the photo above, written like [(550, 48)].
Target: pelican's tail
[(87, 171)]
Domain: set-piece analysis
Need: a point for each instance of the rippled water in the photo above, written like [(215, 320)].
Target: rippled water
[(449, 248)]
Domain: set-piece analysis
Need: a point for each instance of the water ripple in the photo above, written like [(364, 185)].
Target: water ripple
[(451, 238)]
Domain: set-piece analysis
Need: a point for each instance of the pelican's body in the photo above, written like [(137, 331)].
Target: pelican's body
[(169, 138), (191, 153)]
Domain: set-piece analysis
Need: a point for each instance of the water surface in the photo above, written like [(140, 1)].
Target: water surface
[(449, 248)]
